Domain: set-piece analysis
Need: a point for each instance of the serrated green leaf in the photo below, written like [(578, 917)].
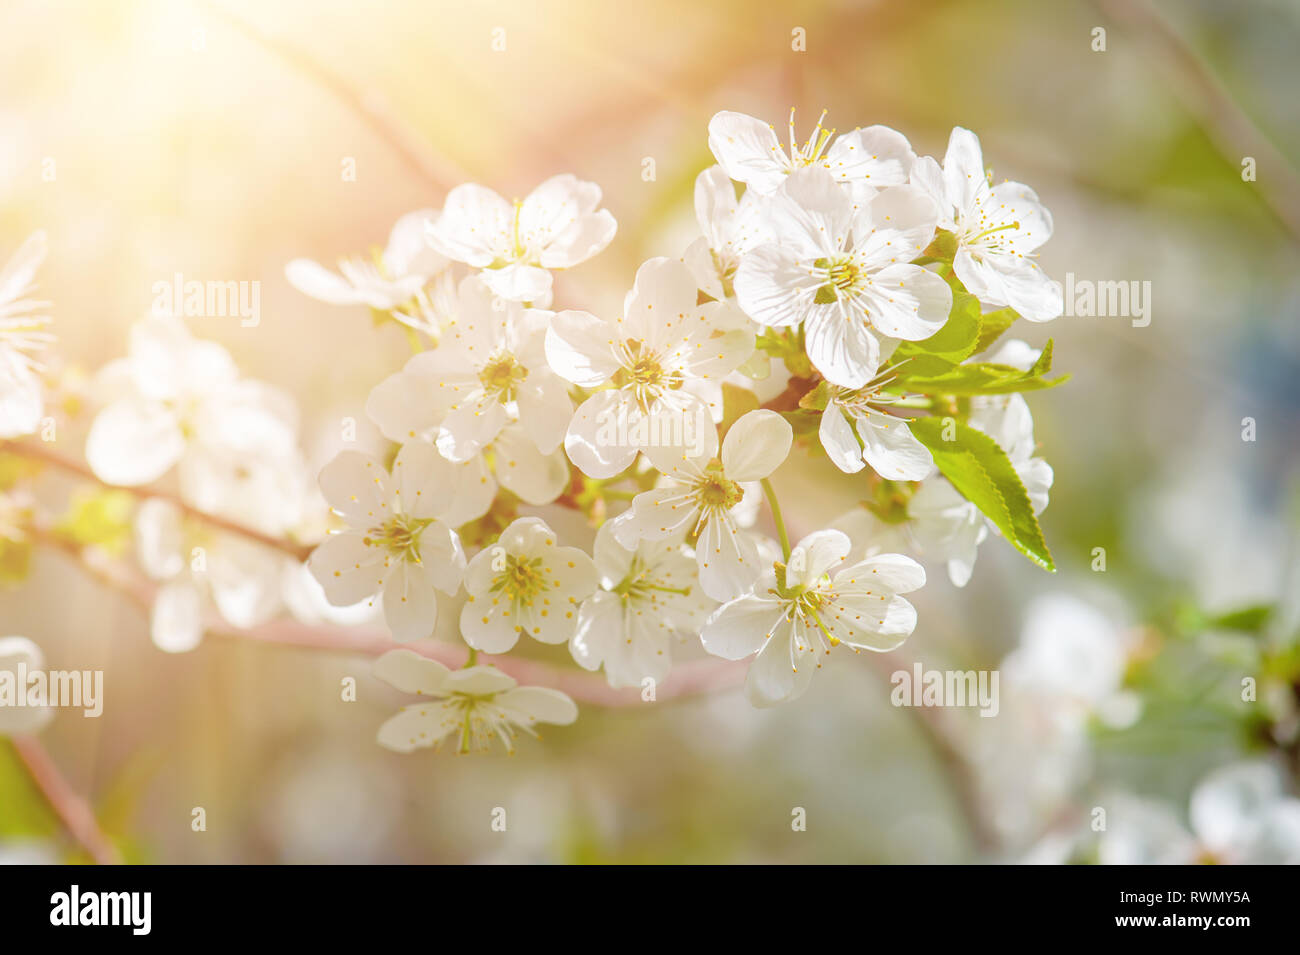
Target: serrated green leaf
[(982, 472), (983, 378)]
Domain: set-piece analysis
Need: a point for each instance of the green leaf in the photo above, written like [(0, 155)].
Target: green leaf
[(983, 473), (1246, 619), (992, 325), (950, 345), (984, 378)]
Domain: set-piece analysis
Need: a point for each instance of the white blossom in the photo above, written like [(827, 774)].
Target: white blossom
[(524, 583), (998, 230), (842, 268), (701, 494), (396, 542), (648, 597), (23, 331), (474, 705), (651, 356), (749, 151), (814, 602), (557, 226)]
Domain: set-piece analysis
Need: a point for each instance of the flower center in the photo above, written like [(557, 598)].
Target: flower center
[(400, 536), (643, 373), (843, 275), (716, 491), (522, 578), (501, 377)]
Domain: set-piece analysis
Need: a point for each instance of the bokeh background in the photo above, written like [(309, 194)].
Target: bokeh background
[(208, 139)]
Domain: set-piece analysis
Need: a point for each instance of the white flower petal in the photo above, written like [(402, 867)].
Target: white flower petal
[(416, 726), (742, 627), (578, 348), (747, 148), (728, 560), (891, 450), (756, 445), (356, 485), (133, 441), (348, 569), (474, 227), (409, 672), (410, 602), (838, 440), (540, 704), (176, 622)]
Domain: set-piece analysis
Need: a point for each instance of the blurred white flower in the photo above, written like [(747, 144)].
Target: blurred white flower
[(394, 277), (748, 149), (1073, 658), (700, 494), (524, 583), (515, 244), (843, 268), (1240, 815), (178, 401), (191, 562), (647, 596), (812, 603), (663, 343), (488, 369), (22, 332), (998, 229), (477, 704), (396, 542), (21, 720)]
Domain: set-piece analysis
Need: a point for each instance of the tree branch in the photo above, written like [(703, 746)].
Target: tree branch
[(35, 452), (688, 679), (73, 811)]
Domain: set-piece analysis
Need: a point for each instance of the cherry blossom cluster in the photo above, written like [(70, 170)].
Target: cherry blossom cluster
[(776, 330), (843, 311)]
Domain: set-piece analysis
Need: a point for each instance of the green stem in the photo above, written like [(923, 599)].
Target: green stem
[(472, 659), (776, 516)]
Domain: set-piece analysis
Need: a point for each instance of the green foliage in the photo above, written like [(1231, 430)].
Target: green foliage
[(984, 378), (99, 517), (15, 560), (983, 473), (947, 347), (992, 325)]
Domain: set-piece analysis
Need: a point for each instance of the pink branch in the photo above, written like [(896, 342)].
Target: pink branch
[(73, 811)]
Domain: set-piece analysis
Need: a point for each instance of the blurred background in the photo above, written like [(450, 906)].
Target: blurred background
[(150, 137)]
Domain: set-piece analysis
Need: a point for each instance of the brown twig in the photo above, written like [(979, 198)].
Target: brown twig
[(37, 453), (1232, 131), (688, 679), (73, 811), (365, 105)]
